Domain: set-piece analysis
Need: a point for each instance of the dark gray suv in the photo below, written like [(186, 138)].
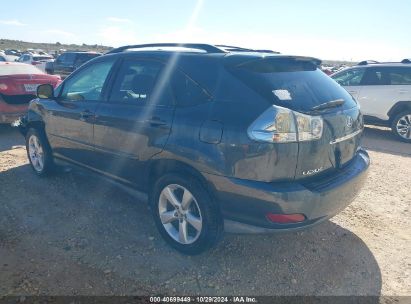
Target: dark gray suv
[(219, 137), (68, 62)]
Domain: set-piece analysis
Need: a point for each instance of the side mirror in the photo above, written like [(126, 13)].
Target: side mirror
[(45, 91)]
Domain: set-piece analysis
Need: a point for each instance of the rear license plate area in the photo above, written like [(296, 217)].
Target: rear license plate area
[(30, 87)]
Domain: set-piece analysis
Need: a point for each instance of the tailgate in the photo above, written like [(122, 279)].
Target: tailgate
[(338, 145)]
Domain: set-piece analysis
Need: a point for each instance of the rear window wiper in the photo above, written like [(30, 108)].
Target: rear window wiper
[(329, 104)]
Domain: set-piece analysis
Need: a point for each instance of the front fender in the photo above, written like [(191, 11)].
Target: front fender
[(32, 118)]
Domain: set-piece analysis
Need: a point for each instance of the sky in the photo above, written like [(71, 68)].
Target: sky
[(339, 30)]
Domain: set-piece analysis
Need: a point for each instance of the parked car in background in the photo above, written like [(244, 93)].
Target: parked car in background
[(36, 59), (13, 52), (3, 57), (383, 91), (18, 85), (8, 58), (238, 139), (67, 62)]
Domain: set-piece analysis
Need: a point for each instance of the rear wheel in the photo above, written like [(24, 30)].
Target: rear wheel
[(38, 152), (401, 126), (184, 214)]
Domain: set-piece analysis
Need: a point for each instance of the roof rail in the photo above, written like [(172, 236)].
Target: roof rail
[(241, 49), (406, 60), (208, 48), (365, 62)]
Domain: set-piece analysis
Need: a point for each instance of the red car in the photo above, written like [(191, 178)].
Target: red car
[(18, 85)]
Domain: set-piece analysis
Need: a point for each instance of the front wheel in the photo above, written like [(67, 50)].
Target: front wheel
[(401, 126), (38, 152), (185, 215)]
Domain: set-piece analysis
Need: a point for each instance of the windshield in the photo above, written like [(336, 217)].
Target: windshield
[(292, 83), (14, 69)]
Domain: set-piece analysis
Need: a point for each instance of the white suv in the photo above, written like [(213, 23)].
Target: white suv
[(383, 91), (37, 60)]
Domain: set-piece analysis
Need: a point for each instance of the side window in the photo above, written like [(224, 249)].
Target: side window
[(61, 58), (400, 76), (88, 83), (375, 76), (139, 82), (69, 59), (350, 77), (186, 91)]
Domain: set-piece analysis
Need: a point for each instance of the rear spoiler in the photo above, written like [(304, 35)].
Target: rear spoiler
[(233, 60)]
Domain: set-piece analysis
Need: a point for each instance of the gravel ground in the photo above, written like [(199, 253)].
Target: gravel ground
[(77, 234)]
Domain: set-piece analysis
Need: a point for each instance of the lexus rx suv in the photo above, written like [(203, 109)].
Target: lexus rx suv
[(384, 92), (221, 138)]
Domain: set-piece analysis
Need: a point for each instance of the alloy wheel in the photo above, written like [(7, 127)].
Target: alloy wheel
[(36, 153), (180, 214), (404, 126)]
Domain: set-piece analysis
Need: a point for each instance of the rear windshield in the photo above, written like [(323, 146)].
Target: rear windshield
[(36, 58), (14, 69), (292, 83)]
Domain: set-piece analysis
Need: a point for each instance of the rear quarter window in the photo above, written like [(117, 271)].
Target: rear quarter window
[(400, 76), (186, 91)]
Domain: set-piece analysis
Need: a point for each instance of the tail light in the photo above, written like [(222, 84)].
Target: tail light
[(35, 62), (281, 125)]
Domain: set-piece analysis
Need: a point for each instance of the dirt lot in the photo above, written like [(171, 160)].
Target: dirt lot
[(75, 233)]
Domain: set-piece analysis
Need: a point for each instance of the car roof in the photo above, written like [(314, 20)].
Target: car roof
[(404, 63), (233, 54), (231, 58)]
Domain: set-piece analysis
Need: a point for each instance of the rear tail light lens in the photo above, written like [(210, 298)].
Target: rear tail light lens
[(309, 127), (35, 62), (282, 125)]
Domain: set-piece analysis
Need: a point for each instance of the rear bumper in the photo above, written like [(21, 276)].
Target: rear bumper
[(245, 203), (9, 113)]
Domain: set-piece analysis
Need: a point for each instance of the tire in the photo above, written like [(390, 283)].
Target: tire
[(198, 217), (39, 152), (401, 126)]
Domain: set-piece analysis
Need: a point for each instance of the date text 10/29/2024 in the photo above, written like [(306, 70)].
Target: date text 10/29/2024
[(203, 299)]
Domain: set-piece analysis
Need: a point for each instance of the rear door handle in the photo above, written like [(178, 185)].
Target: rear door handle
[(156, 122), (85, 115)]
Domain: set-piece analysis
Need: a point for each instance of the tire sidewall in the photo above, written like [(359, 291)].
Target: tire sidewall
[(210, 216)]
